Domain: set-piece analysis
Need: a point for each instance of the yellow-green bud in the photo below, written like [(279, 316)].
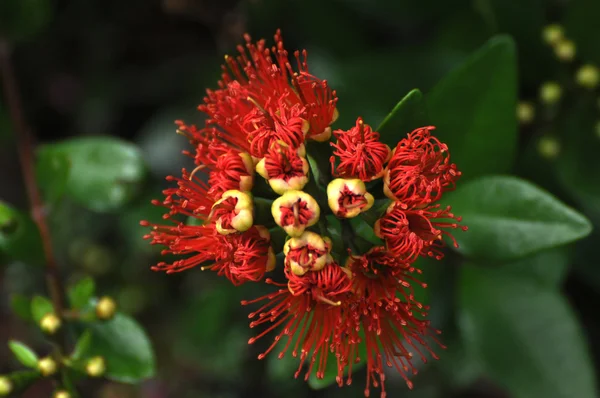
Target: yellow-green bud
[(61, 394), (588, 76), (565, 50), (284, 168), (548, 147), (106, 308), (552, 34), (50, 323), (525, 112), (47, 366), (295, 211), (95, 367), (550, 93), (6, 386), (347, 198), (307, 252), (234, 212)]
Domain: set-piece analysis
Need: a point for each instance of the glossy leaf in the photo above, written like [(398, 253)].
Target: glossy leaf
[(509, 218), (19, 236), (407, 115), (106, 173), (24, 354), (125, 347), (81, 293), (52, 174), (40, 306), (473, 108), (82, 347), (548, 267), (21, 306), (511, 321)]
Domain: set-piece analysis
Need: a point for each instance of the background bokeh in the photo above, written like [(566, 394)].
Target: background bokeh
[(130, 68)]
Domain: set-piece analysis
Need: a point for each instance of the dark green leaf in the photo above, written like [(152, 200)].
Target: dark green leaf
[(22, 19), (40, 306), (19, 236), (509, 218), (82, 347), (406, 116), (548, 267), (81, 293), (581, 26), (52, 173), (125, 347), (24, 354), (22, 379), (508, 321), (21, 306), (106, 173), (474, 106), (374, 213), (364, 230)]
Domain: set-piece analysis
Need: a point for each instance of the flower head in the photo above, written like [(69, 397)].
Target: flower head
[(233, 212), (348, 198), (419, 170), (284, 168), (294, 211), (361, 155), (410, 233)]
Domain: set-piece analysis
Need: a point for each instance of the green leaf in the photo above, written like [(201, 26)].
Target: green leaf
[(364, 230), (125, 347), (407, 115), (52, 174), (40, 306), (24, 354), (22, 379), (82, 347), (22, 19), (106, 173), (474, 106), (81, 293), (581, 26), (509, 218), (510, 321), (548, 268), (21, 306), (374, 213), (19, 236)]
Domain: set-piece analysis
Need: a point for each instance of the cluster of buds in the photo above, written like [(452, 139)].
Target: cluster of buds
[(266, 118)]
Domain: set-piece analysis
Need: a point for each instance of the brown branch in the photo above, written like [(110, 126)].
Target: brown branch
[(25, 148)]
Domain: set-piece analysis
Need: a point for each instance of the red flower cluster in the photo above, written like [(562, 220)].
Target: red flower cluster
[(261, 120)]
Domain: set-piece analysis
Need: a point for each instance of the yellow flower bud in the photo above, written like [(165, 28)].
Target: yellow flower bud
[(294, 211), (6, 386), (565, 50), (47, 366), (552, 34), (347, 198), (61, 394), (525, 112), (550, 93), (548, 147), (95, 367), (284, 168), (588, 76), (50, 323), (106, 308), (307, 252), (234, 212)]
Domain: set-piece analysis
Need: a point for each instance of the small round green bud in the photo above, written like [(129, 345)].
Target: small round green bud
[(6, 386), (588, 76), (106, 308), (565, 50), (552, 34), (95, 367), (550, 93), (47, 366), (61, 394), (525, 112), (548, 147), (50, 323)]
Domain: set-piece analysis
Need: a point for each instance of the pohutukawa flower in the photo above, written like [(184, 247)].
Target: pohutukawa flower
[(284, 168), (348, 198), (308, 307), (410, 233), (294, 211), (419, 170), (233, 213), (307, 252), (360, 153)]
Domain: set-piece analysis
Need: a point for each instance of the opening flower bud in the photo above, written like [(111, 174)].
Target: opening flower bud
[(525, 112), (348, 198), (295, 211), (5, 386), (47, 366), (234, 212), (284, 168), (106, 308), (50, 323), (552, 34), (565, 50), (95, 367), (588, 76), (61, 394), (550, 92), (308, 252)]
